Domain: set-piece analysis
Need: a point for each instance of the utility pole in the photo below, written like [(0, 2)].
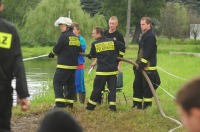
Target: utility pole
[(128, 22)]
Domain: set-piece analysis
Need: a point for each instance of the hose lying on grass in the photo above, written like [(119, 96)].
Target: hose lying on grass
[(154, 94), (152, 90), (148, 81)]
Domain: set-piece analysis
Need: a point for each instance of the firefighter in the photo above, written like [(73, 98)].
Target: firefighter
[(142, 96), (113, 33), (106, 51), (11, 65), (79, 81), (67, 50)]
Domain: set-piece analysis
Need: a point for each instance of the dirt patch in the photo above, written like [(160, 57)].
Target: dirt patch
[(27, 123)]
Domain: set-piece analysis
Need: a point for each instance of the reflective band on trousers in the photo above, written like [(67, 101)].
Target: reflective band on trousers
[(121, 53), (69, 101), (66, 67), (144, 60), (60, 100), (107, 73), (150, 68), (137, 99), (92, 102), (147, 99), (112, 103)]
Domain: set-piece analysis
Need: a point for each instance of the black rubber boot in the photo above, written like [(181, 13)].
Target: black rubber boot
[(147, 105), (137, 105), (90, 107), (69, 105), (112, 108)]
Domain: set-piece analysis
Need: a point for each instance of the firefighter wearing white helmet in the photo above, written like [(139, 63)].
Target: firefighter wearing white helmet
[(67, 50), (63, 20)]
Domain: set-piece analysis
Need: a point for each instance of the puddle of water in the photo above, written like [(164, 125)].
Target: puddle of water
[(38, 73)]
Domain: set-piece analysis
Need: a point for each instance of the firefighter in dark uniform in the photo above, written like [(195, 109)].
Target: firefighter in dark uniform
[(67, 50), (113, 33), (11, 65), (147, 60), (106, 51)]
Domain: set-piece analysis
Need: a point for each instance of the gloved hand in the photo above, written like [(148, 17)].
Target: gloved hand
[(141, 66), (51, 55), (89, 56)]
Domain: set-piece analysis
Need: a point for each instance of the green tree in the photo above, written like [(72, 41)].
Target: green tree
[(139, 9), (91, 6), (194, 4), (174, 20), (40, 30), (15, 10)]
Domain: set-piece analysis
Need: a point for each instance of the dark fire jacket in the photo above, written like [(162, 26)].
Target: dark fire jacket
[(11, 63), (106, 51)]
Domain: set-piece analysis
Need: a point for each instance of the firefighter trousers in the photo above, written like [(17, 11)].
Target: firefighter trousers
[(142, 95), (64, 87), (98, 87), (6, 101)]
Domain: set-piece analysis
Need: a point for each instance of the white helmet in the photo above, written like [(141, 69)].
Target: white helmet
[(63, 20)]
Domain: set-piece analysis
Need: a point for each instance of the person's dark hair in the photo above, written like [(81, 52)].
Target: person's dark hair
[(99, 30), (59, 121), (147, 19), (76, 25), (189, 95)]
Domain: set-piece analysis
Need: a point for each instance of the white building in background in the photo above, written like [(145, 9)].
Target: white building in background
[(195, 28)]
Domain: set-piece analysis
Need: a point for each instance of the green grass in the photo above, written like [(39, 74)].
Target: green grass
[(35, 51), (126, 119)]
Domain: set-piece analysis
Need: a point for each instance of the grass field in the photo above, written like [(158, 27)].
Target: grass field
[(126, 119)]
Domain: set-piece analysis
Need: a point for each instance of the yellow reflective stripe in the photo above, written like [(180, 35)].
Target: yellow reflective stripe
[(69, 101), (112, 103), (137, 99), (107, 73), (150, 68), (92, 102), (60, 100), (66, 67), (5, 40), (121, 53), (147, 99), (144, 60)]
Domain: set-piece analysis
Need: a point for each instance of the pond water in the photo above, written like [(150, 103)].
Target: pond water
[(38, 73)]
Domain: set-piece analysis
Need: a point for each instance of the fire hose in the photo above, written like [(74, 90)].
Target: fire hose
[(154, 94), (148, 81), (152, 90)]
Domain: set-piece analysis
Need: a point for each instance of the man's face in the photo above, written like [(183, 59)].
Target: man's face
[(191, 120), (113, 24), (95, 35), (144, 25), (63, 27)]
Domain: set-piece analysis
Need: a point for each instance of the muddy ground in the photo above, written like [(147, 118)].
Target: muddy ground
[(27, 123)]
